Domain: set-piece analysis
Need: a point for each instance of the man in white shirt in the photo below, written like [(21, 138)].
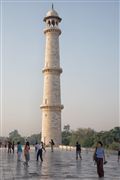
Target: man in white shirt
[(39, 151)]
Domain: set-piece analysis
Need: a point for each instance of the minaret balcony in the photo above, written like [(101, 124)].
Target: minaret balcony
[(52, 29)]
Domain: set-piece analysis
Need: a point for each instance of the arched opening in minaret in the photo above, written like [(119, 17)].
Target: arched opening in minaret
[(53, 23), (49, 23)]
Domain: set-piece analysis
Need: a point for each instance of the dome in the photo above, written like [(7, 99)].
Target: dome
[(51, 13)]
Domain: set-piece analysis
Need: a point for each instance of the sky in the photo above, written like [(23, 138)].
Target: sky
[(89, 57)]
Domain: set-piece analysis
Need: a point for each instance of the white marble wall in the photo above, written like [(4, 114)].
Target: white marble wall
[(51, 126)]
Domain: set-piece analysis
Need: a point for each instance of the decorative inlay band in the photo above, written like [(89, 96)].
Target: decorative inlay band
[(50, 107), (52, 70)]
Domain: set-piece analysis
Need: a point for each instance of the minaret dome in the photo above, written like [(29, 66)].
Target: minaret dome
[(52, 18)]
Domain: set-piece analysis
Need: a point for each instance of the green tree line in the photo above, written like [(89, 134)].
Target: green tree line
[(87, 137), (14, 136)]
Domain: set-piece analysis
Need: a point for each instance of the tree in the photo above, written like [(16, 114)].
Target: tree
[(114, 146), (66, 128), (66, 136), (34, 138), (15, 136)]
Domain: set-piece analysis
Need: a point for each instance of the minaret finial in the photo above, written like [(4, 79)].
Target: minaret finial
[(52, 6)]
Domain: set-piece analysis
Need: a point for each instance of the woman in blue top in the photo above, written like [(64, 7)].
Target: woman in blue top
[(100, 155), (19, 151)]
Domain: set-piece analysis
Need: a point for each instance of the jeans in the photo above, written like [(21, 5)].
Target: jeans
[(39, 153)]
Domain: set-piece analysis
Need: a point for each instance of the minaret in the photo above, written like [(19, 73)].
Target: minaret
[(51, 106)]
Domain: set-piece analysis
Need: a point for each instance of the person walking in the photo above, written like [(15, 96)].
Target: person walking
[(13, 147), (78, 151), (19, 151), (119, 152), (99, 157), (52, 144), (9, 146), (27, 153), (39, 151)]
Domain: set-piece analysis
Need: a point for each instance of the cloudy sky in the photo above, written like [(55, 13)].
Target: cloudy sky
[(89, 59)]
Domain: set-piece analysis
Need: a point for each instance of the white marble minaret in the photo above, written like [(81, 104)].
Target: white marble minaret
[(51, 106)]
